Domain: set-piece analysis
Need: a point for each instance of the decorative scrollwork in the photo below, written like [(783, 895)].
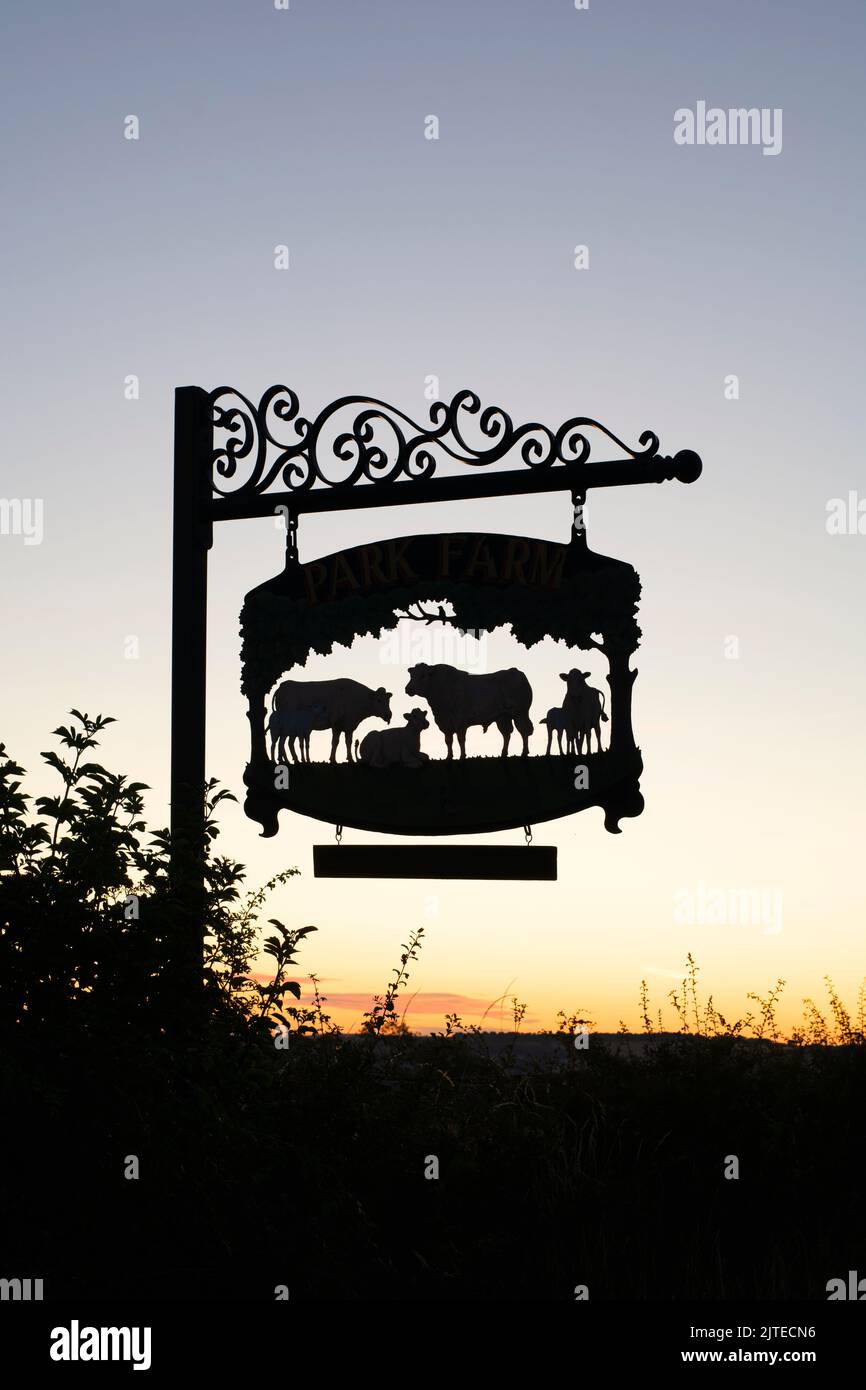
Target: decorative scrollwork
[(273, 447)]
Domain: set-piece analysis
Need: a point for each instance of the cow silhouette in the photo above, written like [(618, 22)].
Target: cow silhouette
[(584, 708), (346, 703)]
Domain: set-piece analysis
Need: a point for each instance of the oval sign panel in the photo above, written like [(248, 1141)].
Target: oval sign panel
[(345, 752)]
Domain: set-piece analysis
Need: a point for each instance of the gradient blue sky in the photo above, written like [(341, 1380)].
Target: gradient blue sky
[(411, 257)]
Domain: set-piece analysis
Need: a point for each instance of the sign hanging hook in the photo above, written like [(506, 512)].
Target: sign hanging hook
[(291, 536), (578, 522)]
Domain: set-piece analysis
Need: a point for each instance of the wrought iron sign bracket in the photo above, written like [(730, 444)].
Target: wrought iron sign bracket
[(270, 456)]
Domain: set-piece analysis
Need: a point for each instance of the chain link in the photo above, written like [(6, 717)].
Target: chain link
[(291, 537)]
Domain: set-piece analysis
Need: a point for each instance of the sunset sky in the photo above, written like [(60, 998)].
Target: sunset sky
[(455, 257)]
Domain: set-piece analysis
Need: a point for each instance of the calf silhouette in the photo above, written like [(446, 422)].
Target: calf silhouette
[(392, 747), (295, 726), (558, 722)]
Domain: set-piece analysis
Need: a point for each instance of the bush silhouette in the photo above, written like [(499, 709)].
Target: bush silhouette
[(90, 931)]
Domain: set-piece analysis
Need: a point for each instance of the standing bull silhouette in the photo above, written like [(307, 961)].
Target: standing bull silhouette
[(459, 701)]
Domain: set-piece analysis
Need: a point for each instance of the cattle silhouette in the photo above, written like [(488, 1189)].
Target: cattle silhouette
[(558, 722), (346, 704), (295, 726), (584, 708), (393, 747), (460, 700)]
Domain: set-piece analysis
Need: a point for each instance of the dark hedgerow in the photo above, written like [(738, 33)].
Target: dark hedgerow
[(275, 1150)]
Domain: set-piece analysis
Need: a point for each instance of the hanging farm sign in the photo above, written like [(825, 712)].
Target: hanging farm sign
[(436, 748)]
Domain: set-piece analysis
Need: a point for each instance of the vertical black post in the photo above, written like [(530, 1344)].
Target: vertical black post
[(193, 536)]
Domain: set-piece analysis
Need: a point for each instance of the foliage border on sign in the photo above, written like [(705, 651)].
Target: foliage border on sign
[(593, 610)]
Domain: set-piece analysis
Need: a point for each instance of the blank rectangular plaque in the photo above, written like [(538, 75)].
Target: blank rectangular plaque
[(435, 861)]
